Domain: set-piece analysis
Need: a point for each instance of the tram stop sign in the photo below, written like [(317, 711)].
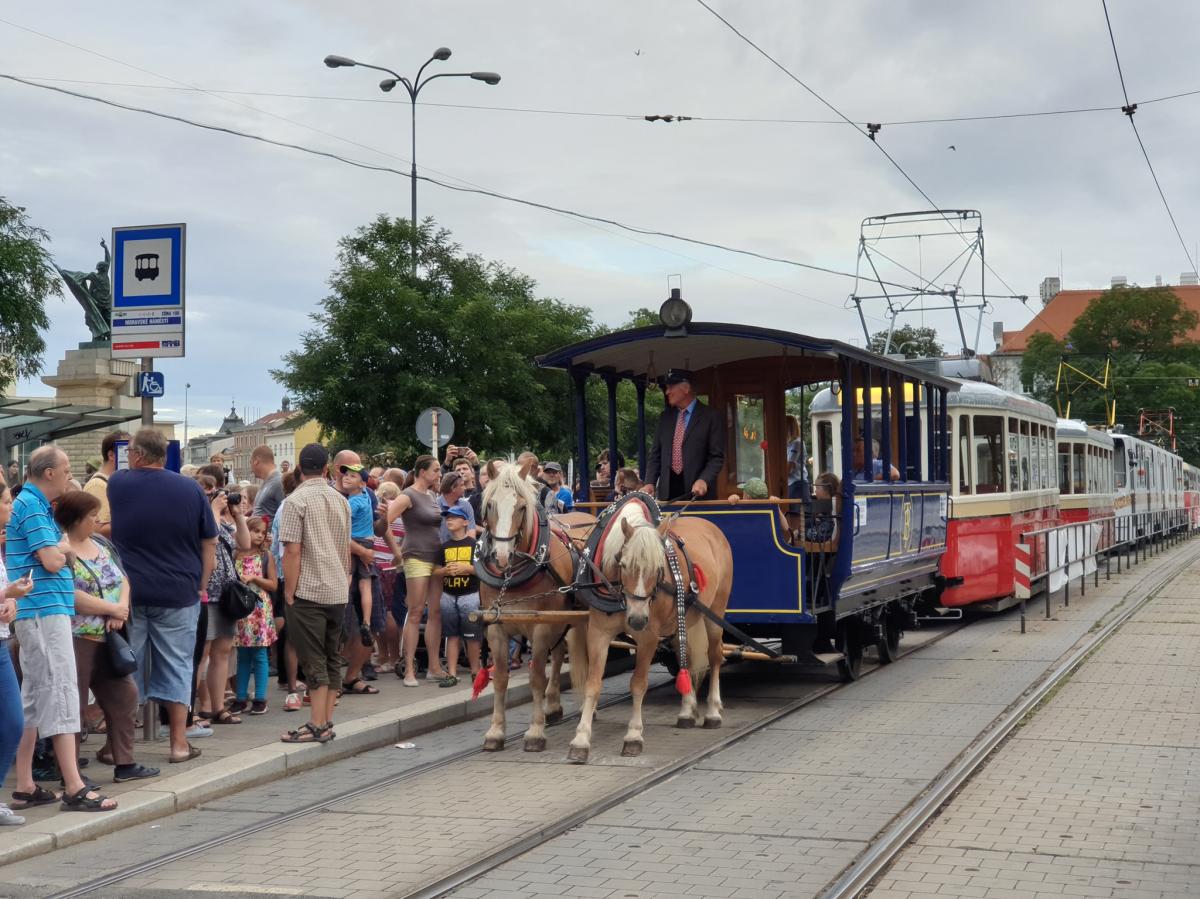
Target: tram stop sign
[(435, 427)]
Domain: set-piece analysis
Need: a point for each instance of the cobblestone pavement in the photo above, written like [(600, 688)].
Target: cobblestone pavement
[(777, 814), (1098, 794)]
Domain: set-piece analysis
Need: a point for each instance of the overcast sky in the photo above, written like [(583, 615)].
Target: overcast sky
[(263, 222)]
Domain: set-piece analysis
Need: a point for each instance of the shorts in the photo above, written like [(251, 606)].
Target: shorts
[(360, 568), (416, 568), (455, 620), (219, 624), (164, 638), (49, 684), (316, 636)]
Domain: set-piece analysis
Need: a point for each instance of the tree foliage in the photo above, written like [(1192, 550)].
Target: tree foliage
[(460, 332), (912, 340), (27, 279), (1144, 336)]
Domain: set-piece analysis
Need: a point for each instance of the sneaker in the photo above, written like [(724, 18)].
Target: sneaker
[(293, 703), (259, 707), (196, 731), (368, 672), (9, 818)]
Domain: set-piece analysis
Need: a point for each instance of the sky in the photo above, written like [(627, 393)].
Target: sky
[(263, 221)]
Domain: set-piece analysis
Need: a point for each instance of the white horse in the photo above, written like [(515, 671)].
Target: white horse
[(515, 526)]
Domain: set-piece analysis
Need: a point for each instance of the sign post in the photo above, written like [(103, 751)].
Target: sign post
[(148, 278)]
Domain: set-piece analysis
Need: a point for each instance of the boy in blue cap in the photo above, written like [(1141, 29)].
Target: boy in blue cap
[(460, 596)]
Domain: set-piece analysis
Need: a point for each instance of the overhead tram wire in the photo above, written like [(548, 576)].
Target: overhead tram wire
[(870, 135), (583, 113), (177, 84), (1129, 109), (582, 216)]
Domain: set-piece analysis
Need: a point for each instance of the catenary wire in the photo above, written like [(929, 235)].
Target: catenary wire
[(584, 113), (454, 187), (767, 56), (1129, 110)]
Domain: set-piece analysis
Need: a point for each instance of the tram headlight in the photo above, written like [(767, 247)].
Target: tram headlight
[(675, 314)]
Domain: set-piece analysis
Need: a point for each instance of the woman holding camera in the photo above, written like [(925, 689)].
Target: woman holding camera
[(232, 535)]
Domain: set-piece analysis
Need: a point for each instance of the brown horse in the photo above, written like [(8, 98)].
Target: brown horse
[(529, 578), (648, 587)]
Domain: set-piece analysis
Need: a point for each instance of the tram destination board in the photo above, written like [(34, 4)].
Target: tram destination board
[(148, 281)]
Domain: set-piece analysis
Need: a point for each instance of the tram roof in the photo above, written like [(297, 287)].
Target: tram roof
[(1073, 427), (645, 352)]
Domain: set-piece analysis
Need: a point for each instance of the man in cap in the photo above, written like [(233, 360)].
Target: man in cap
[(558, 497), (689, 443)]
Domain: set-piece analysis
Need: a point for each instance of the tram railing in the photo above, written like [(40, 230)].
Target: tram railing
[(1050, 559)]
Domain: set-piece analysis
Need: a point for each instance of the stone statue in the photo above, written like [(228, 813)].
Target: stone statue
[(94, 294)]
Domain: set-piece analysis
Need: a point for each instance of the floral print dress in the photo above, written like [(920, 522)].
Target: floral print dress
[(257, 628)]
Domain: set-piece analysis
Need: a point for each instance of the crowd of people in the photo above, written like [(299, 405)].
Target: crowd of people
[(192, 590)]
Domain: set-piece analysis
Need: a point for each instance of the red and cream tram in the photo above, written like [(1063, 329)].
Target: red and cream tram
[(1085, 476)]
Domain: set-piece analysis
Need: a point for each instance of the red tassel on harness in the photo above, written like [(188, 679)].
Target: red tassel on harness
[(698, 577), (683, 682), (481, 681)]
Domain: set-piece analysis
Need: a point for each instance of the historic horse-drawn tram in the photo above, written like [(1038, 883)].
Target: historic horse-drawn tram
[(824, 591)]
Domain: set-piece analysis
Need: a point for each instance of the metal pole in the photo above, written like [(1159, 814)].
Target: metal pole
[(147, 401), (150, 709), (412, 94)]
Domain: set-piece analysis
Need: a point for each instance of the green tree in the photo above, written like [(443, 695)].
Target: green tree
[(27, 278), (911, 340), (460, 333), (1140, 322), (1039, 365)]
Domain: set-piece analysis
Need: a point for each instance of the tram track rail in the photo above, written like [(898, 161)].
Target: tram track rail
[(875, 860), (481, 866)]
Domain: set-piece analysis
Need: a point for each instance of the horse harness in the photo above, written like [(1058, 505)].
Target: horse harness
[(528, 564)]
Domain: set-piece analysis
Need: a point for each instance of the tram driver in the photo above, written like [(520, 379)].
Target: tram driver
[(689, 444)]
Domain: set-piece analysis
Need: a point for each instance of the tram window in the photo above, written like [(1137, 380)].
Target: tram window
[(964, 455), (825, 447), (1064, 468), (1047, 445), (1014, 455), (1078, 469), (1118, 466), (987, 436), (750, 455), (1025, 461)]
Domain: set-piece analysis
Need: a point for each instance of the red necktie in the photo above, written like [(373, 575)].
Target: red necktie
[(677, 445)]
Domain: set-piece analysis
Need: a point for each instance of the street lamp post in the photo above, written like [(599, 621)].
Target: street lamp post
[(414, 88), (186, 388)]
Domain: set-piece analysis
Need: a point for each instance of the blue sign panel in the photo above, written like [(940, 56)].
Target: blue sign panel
[(148, 278), (151, 383)]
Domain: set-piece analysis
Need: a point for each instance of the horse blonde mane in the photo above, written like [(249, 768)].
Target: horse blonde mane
[(635, 514), (509, 478), (643, 552)]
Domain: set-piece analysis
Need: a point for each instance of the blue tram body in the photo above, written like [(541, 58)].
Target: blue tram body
[(887, 535)]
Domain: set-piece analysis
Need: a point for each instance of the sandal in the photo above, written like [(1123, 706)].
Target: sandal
[(359, 687), (82, 802), (259, 707), (193, 753), (137, 772), (39, 796), (448, 681), (308, 733), (225, 717)]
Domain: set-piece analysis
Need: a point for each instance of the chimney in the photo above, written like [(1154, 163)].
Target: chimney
[(1188, 279), (998, 333), (1119, 281)]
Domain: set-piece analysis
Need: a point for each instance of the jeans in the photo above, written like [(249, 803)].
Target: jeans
[(161, 638), (252, 658), (12, 719)]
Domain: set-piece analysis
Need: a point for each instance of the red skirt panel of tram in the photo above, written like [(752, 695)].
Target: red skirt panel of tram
[(978, 565)]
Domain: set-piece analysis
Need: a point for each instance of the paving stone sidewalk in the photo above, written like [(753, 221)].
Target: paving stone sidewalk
[(1098, 794), (782, 813)]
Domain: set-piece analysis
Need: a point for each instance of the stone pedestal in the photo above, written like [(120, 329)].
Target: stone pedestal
[(88, 377)]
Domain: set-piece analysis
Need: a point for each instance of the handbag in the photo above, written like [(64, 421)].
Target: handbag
[(120, 653), (237, 600)]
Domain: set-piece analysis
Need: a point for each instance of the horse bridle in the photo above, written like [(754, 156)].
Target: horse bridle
[(661, 587)]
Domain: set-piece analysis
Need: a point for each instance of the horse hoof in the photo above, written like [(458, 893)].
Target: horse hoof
[(685, 722), (535, 745), (712, 723), (493, 744), (632, 748), (577, 755), (554, 717)]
